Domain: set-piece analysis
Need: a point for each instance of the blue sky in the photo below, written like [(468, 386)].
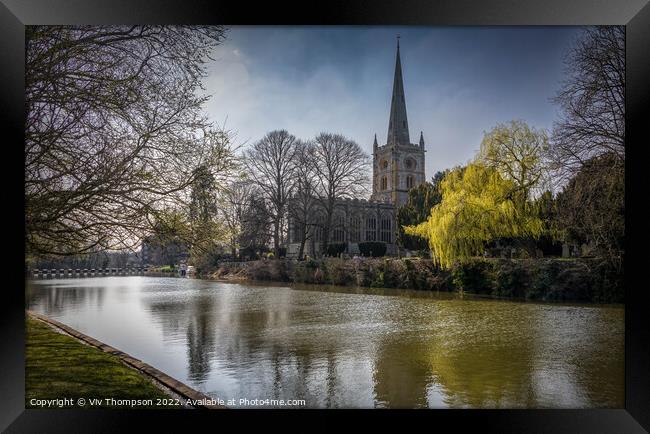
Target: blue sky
[(459, 82)]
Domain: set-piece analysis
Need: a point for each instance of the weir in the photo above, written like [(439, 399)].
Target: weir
[(49, 273)]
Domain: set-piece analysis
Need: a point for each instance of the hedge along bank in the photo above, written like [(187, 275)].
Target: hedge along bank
[(539, 279)]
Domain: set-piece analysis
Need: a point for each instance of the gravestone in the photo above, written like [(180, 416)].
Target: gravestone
[(565, 250)]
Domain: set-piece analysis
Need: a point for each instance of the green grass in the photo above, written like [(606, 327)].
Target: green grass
[(165, 269), (59, 366)]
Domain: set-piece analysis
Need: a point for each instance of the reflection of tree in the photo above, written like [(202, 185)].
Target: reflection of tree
[(171, 315), (483, 357), (55, 299), (402, 374), (346, 350), (506, 355), (200, 338)]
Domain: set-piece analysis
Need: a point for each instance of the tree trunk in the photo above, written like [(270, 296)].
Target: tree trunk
[(301, 251), (276, 239)]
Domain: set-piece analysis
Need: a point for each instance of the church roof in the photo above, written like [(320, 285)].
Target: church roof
[(398, 127)]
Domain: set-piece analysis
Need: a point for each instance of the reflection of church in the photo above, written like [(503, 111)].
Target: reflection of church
[(397, 167)]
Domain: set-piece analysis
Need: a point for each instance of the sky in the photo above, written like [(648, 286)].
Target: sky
[(459, 82)]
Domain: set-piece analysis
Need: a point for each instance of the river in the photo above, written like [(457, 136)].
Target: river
[(339, 347)]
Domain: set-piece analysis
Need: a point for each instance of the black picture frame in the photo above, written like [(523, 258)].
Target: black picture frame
[(634, 14)]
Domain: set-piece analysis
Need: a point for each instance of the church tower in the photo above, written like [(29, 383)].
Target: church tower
[(398, 165)]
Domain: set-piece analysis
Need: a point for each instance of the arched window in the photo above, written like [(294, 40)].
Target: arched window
[(386, 232), (410, 163), (409, 181), (338, 234), (297, 231), (355, 229), (384, 183), (371, 228), (318, 227), (384, 164)]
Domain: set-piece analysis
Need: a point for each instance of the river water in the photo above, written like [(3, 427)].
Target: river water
[(350, 348)]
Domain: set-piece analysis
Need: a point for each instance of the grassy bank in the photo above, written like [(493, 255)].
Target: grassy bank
[(550, 279), (58, 366)]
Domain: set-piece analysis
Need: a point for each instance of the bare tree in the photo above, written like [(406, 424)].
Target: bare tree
[(271, 168), (235, 202), (341, 171), (303, 202), (592, 100), (256, 223), (114, 131)]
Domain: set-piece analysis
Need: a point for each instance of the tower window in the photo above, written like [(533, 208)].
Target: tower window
[(409, 181), (409, 163), (384, 164), (404, 124), (384, 183)]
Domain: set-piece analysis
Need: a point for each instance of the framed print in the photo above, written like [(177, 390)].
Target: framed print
[(427, 210)]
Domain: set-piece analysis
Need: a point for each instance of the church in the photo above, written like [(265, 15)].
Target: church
[(397, 166)]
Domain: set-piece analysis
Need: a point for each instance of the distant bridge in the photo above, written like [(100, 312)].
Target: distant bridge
[(88, 272)]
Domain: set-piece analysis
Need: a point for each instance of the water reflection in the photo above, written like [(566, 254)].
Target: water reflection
[(64, 295), (344, 349)]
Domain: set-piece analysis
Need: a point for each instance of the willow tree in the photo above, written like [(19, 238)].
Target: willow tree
[(416, 210), (519, 153), (478, 206)]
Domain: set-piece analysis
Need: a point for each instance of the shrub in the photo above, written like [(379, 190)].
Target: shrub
[(336, 249), (303, 272), (611, 289), (372, 248), (268, 270), (511, 279), (474, 276), (340, 272), (542, 279), (248, 252), (545, 279), (571, 283), (394, 273)]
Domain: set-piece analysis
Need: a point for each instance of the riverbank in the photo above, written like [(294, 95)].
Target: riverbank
[(547, 279), (58, 366)]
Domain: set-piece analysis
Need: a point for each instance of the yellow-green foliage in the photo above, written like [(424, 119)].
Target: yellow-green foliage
[(517, 151), (477, 207)]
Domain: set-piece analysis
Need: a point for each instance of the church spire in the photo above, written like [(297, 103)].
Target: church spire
[(421, 140), (375, 144), (398, 128)]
